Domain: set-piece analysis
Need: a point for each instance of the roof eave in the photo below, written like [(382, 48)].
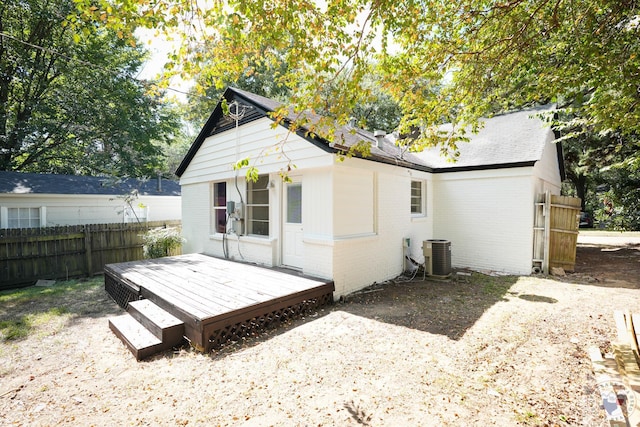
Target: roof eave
[(511, 165)]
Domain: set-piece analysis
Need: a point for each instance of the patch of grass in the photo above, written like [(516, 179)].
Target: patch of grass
[(528, 418), (23, 326), (496, 286), (24, 295), (15, 329), (39, 310)]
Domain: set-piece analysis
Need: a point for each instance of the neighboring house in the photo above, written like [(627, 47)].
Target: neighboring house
[(348, 220), (43, 200)]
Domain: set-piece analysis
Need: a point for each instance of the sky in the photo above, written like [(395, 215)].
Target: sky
[(159, 49)]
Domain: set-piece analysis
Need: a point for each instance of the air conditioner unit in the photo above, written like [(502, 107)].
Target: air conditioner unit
[(437, 257)]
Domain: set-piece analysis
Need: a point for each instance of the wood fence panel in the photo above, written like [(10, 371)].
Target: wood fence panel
[(565, 218), (29, 254), (555, 232)]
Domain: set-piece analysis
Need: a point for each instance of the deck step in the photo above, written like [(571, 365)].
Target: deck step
[(165, 326), (140, 341)]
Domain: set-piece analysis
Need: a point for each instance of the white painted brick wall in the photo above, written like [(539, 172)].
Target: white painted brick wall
[(318, 258), (360, 262), (489, 220)]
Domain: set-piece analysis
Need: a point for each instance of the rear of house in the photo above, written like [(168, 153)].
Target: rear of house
[(349, 221)]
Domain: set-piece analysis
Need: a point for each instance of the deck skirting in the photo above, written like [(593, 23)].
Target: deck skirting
[(119, 291), (220, 333)]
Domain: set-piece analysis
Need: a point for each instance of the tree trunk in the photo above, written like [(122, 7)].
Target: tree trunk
[(580, 181)]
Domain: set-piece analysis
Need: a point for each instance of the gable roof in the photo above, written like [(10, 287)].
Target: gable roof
[(509, 140), (506, 140), (36, 183)]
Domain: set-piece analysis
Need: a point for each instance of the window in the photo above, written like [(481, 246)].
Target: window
[(417, 193), (219, 217), (258, 206), (23, 217), (294, 203), (137, 213)]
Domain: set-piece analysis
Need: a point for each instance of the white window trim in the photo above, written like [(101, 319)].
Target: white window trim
[(4, 215), (213, 226), (423, 199), (250, 206)]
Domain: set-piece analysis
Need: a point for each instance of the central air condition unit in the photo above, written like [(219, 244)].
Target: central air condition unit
[(437, 257)]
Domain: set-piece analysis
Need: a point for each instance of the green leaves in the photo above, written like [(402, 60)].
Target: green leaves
[(252, 174), (241, 164), (71, 103), (438, 61)]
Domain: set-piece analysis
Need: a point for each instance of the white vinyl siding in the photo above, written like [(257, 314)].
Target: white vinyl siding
[(59, 210), (257, 141)]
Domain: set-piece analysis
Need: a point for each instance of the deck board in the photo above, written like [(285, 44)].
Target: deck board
[(213, 296)]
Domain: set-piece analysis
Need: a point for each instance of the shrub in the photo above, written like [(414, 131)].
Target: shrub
[(159, 242)]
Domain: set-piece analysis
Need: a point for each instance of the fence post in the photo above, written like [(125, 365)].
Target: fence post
[(547, 231), (87, 250)]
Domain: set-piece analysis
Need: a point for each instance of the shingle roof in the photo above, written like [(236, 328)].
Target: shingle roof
[(35, 183), (514, 139), (506, 139)]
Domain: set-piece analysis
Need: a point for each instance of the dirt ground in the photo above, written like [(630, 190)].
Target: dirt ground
[(612, 266), (477, 350)]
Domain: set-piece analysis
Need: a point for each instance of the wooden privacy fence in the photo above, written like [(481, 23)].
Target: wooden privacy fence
[(29, 254), (555, 232)]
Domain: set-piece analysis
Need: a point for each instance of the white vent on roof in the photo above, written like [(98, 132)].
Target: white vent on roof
[(379, 135)]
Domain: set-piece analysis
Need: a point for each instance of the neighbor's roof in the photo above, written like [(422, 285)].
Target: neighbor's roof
[(509, 140), (36, 183)]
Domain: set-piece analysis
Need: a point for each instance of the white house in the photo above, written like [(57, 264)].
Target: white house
[(43, 200), (348, 220)]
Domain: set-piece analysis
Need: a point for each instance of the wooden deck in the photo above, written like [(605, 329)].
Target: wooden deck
[(218, 300)]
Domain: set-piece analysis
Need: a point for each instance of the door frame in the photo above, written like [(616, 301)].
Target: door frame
[(297, 179)]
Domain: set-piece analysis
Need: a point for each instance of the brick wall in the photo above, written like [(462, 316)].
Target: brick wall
[(487, 218)]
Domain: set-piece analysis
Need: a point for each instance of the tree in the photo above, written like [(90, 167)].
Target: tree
[(380, 111), (69, 102), (441, 61), (175, 151), (260, 78)]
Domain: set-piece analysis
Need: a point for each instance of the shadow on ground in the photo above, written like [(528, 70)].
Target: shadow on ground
[(445, 307), (607, 266)]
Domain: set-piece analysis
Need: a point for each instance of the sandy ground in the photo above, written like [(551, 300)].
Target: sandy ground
[(475, 351), (608, 238)]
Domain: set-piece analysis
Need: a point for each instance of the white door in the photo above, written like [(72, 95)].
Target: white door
[(292, 247)]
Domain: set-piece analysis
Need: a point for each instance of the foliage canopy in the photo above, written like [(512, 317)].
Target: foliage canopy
[(69, 100), (440, 61), (435, 61)]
